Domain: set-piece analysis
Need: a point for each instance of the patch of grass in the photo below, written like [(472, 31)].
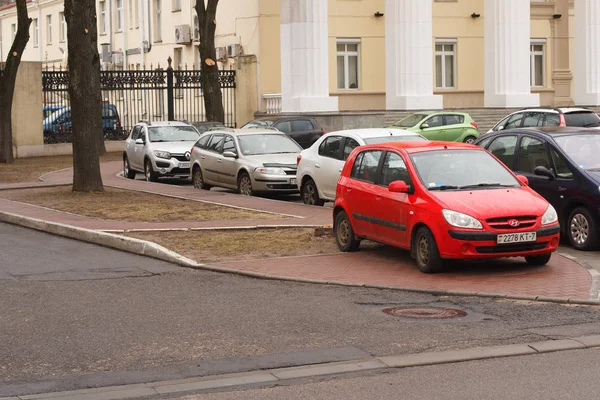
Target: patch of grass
[(124, 205), (30, 169), (226, 245)]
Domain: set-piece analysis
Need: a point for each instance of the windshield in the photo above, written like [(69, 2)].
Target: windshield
[(410, 121), (582, 149), (259, 122), (583, 119), (252, 145), (461, 170), (385, 139), (172, 134)]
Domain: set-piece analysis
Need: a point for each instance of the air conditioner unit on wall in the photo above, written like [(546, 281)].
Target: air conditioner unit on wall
[(182, 34), (117, 59), (234, 50), (221, 53)]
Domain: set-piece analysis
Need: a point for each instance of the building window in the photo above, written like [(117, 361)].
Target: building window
[(158, 21), (445, 62), (48, 29), (536, 51), (13, 32), (119, 7), (102, 17), (348, 63), (176, 5), (63, 27), (36, 32)]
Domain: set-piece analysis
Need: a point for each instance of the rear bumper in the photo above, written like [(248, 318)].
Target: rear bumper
[(477, 245)]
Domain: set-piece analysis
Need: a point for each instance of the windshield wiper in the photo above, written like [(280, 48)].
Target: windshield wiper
[(484, 185), (444, 187)]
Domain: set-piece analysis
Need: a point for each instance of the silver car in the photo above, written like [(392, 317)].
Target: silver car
[(159, 149), (251, 160)]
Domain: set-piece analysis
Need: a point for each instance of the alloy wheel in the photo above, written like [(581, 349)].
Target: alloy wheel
[(245, 186), (126, 168), (197, 178), (580, 229), (309, 194)]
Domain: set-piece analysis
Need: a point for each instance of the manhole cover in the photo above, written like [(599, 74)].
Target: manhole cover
[(425, 312)]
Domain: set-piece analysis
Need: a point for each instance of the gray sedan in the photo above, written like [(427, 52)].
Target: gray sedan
[(247, 160)]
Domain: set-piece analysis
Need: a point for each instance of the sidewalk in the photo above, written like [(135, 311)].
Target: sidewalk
[(562, 280)]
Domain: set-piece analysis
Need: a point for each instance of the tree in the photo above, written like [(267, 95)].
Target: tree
[(8, 79), (84, 93), (211, 87)]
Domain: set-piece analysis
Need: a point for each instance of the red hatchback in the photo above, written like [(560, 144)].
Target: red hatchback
[(441, 200)]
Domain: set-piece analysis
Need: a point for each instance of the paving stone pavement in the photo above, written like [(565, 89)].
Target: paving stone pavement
[(562, 278)]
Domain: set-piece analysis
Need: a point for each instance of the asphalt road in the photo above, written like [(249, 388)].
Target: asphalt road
[(564, 375), (74, 315)]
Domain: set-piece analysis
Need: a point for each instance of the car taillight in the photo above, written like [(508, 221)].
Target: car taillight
[(192, 149), (563, 122), (474, 125), (322, 131), (298, 159)]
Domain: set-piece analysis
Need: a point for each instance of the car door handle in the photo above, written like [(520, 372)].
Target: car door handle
[(377, 197), (317, 165), (219, 160), (561, 189), (348, 189)]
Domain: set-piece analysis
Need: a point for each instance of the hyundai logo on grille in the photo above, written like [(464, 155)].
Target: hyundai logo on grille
[(514, 223), (187, 155)]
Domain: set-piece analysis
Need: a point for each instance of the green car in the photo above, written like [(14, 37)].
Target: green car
[(441, 125)]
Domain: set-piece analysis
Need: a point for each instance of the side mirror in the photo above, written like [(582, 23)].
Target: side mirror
[(501, 127), (543, 171), (523, 179), (424, 126), (398, 187), (229, 154), (139, 141)]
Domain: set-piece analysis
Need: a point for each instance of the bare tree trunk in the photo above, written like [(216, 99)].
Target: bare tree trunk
[(8, 79), (84, 93), (211, 87)]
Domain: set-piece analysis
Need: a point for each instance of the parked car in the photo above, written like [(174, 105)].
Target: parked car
[(47, 110), (304, 130), (203, 126), (159, 149), (247, 160), (428, 198), (538, 117), (320, 165), (441, 125), (60, 122), (562, 165)]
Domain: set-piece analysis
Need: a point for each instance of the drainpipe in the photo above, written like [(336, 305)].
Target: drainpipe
[(149, 35), (125, 27), (110, 28), (142, 27), (39, 24)]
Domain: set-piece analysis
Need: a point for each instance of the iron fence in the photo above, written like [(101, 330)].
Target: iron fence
[(132, 95)]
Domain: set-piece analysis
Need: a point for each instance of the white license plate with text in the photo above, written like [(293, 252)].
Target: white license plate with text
[(293, 181), (184, 165), (517, 237)]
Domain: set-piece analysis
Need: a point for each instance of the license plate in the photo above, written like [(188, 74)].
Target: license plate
[(184, 165), (293, 181), (517, 237)]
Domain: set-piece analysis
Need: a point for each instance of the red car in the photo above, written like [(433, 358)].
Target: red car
[(441, 200)]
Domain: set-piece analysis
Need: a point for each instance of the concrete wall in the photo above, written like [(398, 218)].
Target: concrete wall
[(246, 91), (27, 108)]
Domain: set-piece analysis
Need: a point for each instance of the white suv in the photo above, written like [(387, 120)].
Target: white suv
[(159, 149), (319, 166)]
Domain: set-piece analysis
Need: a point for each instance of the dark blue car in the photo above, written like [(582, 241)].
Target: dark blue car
[(59, 123), (563, 165)]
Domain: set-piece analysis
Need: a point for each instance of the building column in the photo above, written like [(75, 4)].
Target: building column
[(587, 52), (507, 40), (409, 55), (305, 57), (562, 76)]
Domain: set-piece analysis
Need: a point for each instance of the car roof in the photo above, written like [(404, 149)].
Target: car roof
[(547, 130), (415, 147), (564, 110), (280, 117), (164, 123), (366, 133), (246, 131)]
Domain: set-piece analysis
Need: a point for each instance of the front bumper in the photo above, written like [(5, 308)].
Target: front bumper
[(171, 167), (460, 244), (274, 183)]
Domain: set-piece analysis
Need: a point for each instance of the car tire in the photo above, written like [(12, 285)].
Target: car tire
[(470, 139), (151, 176), (581, 229), (426, 252), (344, 234), (538, 261), (244, 184), (310, 194), (198, 179), (127, 171)]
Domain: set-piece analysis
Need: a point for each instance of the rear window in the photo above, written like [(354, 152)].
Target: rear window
[(301, 125), (583, 119), (454, 119), (108, 112)]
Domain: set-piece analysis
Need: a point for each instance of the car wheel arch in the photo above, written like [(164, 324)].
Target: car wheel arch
[(571, 205), (413, 231)]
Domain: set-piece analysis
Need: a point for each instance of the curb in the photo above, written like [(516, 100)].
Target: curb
[(279, 376), (150, 249)]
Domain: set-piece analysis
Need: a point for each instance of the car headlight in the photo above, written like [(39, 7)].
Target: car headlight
[(550, 216), (461, 220), (162, 154), (270, 171)]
